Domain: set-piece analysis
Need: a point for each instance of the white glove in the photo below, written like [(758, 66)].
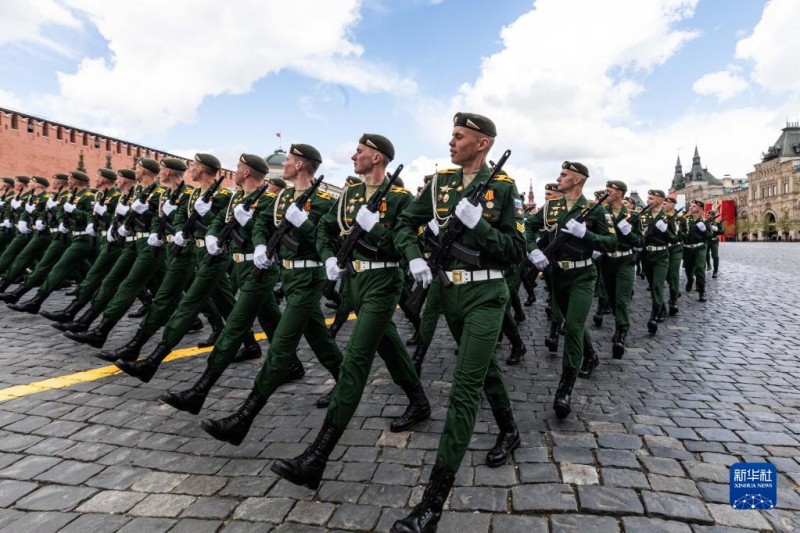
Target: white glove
[(596, 255), (139, 206), (179, 239), (68, 207), (153, 240), (90, 229), (538, 259), (40, 225), (51, 203), (661, 226), (122, 209), (22, 226), (366, 218), (469, 214), (714, 227), (16, 203), (434, 227), (242, 215), (2, 203), (7, 224), (212, 246), (62, 228), (30, 207), (168, 208), (421, 271), (701, 226), (575, 228), (296, 216), (332, 269), (123, 231), (202, 207), (260, 259), (100, 209), (624, 226), (110, 236)]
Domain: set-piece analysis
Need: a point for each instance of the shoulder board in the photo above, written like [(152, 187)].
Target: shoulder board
[(448, 171), (270, 194), (89, 193), (223, 191), (115, 194), (399, 190), (188, 190), (324, 195), (504, 178), (159, 189)]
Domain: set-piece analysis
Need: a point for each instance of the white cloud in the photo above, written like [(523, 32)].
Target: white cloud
[(25, 22), (10, 101), (159, 69), (723, 84), (773, 46)]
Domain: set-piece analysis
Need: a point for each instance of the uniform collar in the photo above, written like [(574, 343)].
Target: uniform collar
[(480, 177)]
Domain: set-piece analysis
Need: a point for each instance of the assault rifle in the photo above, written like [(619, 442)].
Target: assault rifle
[(554, 249), (67, 216), (194, 219), (281, 234), (228, 231), (96, 219), (164, 219), (445, 249)]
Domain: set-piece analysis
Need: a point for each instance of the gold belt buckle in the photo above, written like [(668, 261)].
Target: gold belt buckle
[(238, 258), (357, 265), (200, 243), (565, 265), (458, 277), (287, 264)]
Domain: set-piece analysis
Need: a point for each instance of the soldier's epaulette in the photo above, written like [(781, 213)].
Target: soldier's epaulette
[(115, 194), (159, 190), (504, 178), (223, 191), (188, 190), (324, 195), (269, 194), (89, 193), (399, 190), (447, 171)]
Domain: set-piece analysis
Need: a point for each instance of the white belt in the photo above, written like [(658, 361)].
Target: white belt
[(615, 255), (241, 258), (76, 233), (460, 277), (300, 263), (141, 234), (655, 248), (361, 266), (130, 238), (695, 245), (676, 245), (103, 233), (200, 243), (569, 265)]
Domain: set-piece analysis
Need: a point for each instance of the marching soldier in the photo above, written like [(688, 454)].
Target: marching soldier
[(551, 193), (675, 254), (657, 238), (5, 235), (712, 253), (694, 249), (11, 225)]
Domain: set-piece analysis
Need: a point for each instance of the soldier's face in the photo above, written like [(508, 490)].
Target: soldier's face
[(613, 195), (363, 159), (695, 210), (668, 207), (627, 204), (569, 180), (240, 175), (654, 201), (290, 167), (466, 145)]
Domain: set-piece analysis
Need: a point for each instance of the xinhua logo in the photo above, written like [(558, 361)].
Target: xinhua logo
[(753, 486)]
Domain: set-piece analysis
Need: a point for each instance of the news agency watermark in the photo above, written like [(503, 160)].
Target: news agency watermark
[(753, 486)]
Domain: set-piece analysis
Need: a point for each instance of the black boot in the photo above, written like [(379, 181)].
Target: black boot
[(652, 324), (518, 349), (234, 428), (590, 361), (249, 350), (425, 516), (14, 296), (325, 400), (418, 409), (689, 284), (662, 313), (673, 303), (295, 371), (96, 337), (66, 314), (414, 340), (82, 323), (146, 298), (145, 370), (306, 469), (702, 296), (552, 339), (33, 305), (714, 275), (217, 325), (531, 300), (602, 309), (507, 441), (564, 393), (4, 284), (192, 400), (618, 348), (336, 325), (197, 325), (419, 357), (126, 352)]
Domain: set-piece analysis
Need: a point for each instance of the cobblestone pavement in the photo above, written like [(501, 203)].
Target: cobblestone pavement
[(648, 450)]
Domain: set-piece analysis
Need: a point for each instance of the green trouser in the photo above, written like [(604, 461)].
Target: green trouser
[(179, 276), (146, 268), (674, 270), (211, 284), (474, 313), (618, 274), (106, 259), (514, 280), (600, 289), (573, 291), (74, 258), (115, 277), (712, 255), (33, 252), (694, 264), (45, 265), (5, 238), (555, 313), (302, 317), (17, 244), (375, 294), (430, 315), (346, 305), (256, 300), (656, 265)]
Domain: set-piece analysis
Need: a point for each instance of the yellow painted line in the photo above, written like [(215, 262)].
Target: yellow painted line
[(18, 391)]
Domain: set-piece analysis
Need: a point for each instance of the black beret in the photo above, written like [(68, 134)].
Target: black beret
[(23, 179), (256, 162), (671, 200), (629, 199), (379, 143), (699, 203), (475, 122), (174, 164), (307, 151), (580, 168), (551, 187), (61, 177), (656, 192), (9, 181), (617, 184), (150, 165), (41, 181), (107, 173), (353, 180), (79, 176), (127, 174), (208, 160), (280, 182)]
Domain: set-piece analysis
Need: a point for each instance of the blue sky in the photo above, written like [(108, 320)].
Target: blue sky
[(622, 85)]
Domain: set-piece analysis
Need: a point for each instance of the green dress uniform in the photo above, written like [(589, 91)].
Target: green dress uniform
[(554, 313), (675, 257), (694, 254), (715, 230), (655, 262), (5, 209), (38, 241), (20, 240)]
